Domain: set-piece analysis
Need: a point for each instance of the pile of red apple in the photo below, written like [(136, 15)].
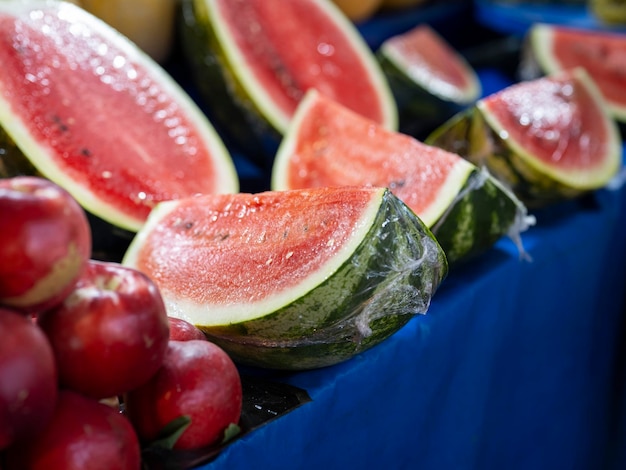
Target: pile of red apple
[(91, 367)]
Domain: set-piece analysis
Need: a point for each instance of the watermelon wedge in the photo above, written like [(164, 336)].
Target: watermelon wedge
[(330, 145), (548, 139), (430, 80), (84, 107), (552, 48), (291, 279), (254, 59)]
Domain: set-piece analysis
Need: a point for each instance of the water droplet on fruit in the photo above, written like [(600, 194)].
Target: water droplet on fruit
[(36, 15), (524, 119), (119, 61), (102, 49), (326, 49)]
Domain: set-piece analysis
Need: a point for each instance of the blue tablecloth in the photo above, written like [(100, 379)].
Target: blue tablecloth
[(515, 366)]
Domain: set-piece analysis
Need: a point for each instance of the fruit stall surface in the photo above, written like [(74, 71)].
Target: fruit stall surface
[(520, 359), (518, 364)]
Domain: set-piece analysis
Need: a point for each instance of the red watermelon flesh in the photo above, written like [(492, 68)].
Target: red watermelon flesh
[(601, 53), (290, 47), (217, 232), (106, 118), (335, 146), (556, 119)]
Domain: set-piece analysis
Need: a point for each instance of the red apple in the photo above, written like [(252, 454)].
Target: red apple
[(28, 378), (110, 334), (182, 330), (197, 379), (83, 434), (45, 242)]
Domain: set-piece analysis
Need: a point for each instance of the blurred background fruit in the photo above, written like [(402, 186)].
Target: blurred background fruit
[(399, 4), (359, 10), (609, 11), (148, 23)]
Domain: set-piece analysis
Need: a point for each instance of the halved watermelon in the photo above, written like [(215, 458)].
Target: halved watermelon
[(330, 145), (291, 279), (255, 59), (430, 80), (84, 107), (548, 139), (551, 48)]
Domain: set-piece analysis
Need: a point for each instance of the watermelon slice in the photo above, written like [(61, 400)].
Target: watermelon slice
[(84, 107), (552, 48), (549, 139), (330, 145), (254, 60), (291, 279), (430, 80)]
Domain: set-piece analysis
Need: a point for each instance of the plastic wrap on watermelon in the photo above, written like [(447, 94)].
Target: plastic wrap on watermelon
[(295, 279), (506, 215)]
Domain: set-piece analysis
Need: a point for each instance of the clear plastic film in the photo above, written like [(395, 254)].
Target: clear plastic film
[(481, 213)]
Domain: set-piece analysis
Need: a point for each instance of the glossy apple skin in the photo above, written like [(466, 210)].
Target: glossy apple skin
[(182, 330), (82, 434), (110, 333), (28, 378), (197, 379), (45, 242)]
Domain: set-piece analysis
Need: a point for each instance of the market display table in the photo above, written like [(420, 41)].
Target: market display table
[(513, 367), (519, 364)]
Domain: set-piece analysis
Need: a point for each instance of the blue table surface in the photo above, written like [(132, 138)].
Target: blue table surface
[(517, 365)]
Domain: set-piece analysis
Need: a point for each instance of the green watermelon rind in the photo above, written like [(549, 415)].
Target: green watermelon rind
[(482, 212), (208, 45), (538, 58), (225, 98), (390, 275), (478, 137), (21, 154)]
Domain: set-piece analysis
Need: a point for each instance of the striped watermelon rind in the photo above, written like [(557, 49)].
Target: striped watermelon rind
[(239, 102), (478, 136), (387, 274), (482, 212), (22, 153)]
